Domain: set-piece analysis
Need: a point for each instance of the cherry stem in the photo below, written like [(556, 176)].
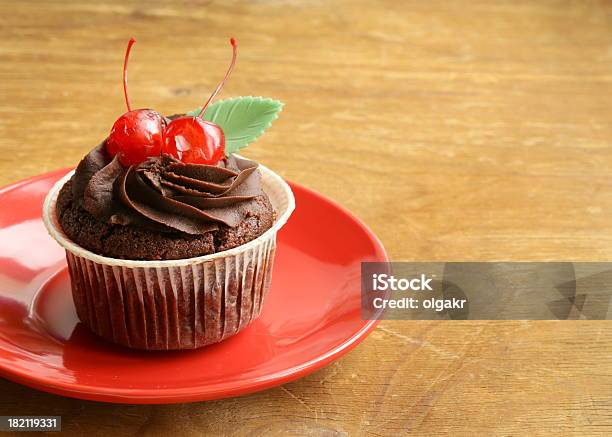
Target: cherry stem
[(125, 73), (229, 71)]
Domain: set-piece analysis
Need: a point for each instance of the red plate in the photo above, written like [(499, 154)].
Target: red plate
[(311, 316)]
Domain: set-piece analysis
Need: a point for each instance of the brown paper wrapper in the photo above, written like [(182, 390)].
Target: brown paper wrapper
[(175, 307)]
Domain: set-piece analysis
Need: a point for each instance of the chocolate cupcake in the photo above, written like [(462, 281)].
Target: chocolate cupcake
[(169, 235), (163, 208)]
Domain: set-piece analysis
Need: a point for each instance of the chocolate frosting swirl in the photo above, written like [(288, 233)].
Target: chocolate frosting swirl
[(165, 194)]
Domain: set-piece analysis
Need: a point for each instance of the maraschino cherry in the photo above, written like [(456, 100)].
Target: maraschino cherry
[(138, 134), (194, 140)]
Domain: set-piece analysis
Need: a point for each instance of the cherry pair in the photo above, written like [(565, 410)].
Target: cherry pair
[(142, 133)]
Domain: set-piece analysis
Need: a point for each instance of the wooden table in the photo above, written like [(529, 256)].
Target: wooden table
[(456, 130)]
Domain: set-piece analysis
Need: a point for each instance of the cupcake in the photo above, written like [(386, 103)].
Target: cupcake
[(170, 235)]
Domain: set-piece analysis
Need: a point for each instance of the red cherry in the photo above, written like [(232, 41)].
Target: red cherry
[(194, 140), (136, 135)]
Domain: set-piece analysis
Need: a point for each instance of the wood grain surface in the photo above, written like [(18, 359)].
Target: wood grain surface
[(457, 130)]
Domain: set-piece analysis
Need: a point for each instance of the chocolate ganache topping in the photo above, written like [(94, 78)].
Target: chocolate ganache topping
[(165, 194)]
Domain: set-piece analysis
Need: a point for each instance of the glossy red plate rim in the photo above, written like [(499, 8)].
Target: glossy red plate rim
[(195, 393)]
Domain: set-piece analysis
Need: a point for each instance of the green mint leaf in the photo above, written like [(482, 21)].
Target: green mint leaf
[(243, 119)]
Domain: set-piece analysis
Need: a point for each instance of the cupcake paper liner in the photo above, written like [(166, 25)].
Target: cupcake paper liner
[(173, 304)]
